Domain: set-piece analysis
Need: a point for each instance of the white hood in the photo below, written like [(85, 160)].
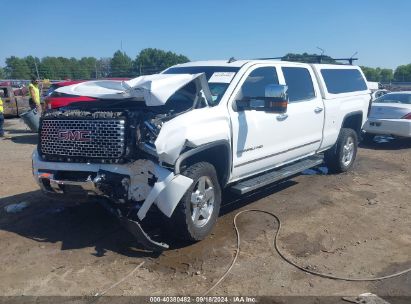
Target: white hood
[(154, 89)]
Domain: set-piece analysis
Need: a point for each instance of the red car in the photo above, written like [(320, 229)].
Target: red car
[(54, 100)]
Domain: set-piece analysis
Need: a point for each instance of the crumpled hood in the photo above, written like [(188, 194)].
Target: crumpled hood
[(154, 89)]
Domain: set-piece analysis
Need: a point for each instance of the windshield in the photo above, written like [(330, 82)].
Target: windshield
[(218, 77), (395, 98)]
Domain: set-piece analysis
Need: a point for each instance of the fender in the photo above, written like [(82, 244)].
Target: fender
[(349, 115), (199, 149)]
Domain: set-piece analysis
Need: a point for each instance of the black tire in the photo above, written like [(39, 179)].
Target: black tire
[(181, 221), (335, 158)]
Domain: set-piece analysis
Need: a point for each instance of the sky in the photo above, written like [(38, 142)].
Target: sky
[(378, 30)]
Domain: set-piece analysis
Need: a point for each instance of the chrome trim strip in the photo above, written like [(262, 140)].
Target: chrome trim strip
[(275, 154)]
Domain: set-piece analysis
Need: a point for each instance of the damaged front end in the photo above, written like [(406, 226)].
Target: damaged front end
[(107, 148), (130, 189)]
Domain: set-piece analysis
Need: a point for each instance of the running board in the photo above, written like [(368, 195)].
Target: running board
[(276, 175)]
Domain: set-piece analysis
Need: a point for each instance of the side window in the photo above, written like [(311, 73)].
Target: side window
[(255, 84), (299, 82), (343, 80)]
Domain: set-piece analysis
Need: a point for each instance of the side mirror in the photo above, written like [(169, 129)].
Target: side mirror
[(274, 101)]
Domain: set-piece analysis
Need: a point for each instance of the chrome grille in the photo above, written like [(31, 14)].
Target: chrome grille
[(99, 138)]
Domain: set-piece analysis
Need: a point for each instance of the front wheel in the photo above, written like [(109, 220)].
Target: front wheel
[(341, 157), (197, 212)]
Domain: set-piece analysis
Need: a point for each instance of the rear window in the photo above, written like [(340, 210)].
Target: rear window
[(340, 81), (394, 98)]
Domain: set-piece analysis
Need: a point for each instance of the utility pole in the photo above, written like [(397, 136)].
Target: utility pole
[(95, 66), (38, 77), (37, 70)]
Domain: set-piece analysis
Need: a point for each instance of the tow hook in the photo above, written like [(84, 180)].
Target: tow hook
[(134, 227)]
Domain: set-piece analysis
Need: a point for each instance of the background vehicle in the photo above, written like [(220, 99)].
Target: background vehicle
[(54, 100), (178, 138), (390, 115), (14, 99), (378, 93)]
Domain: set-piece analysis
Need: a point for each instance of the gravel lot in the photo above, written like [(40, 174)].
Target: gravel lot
[(356, 224)]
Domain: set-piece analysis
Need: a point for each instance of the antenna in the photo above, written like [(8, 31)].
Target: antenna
[(322, 50), (320, 58), (352, 59)]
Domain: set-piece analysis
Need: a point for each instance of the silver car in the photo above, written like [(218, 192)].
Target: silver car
[(390, 115)]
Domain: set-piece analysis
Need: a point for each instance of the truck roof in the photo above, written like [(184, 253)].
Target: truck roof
[(225, 63), (240, 63)]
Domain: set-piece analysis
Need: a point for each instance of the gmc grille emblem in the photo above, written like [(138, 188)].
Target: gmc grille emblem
[(74, 135)]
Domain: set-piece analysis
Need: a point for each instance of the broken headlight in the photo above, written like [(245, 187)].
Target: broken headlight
[(147, 134)]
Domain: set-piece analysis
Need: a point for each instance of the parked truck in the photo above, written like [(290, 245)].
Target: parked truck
[(172, 142), (15, 100)]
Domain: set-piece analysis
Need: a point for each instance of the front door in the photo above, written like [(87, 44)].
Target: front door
[(264, 140)]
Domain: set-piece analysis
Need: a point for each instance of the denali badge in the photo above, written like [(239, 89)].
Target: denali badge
[(75, 135)]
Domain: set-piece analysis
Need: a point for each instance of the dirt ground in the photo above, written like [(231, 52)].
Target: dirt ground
[(356, 224)]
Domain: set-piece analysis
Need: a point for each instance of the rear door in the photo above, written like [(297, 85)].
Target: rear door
[(305, 113)]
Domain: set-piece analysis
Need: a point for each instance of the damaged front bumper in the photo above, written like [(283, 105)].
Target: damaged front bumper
[(143, 183)]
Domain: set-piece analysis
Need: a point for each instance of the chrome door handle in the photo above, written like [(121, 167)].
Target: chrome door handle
[(318, 110), (282, 117)]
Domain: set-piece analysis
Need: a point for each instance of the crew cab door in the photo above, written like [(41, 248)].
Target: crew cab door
[(264, 140)]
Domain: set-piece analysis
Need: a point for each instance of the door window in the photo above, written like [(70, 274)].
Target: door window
[(255, 84), (299, 82)]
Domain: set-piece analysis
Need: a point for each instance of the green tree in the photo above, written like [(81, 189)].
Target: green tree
[(76, 70), (31, 63), (103, 67), (370, 73), (47, 68), (386, 75), (2, 73), (150, 61), (120, 65), (403, 73), (378, 74), (88, 66), (55, 68), (17, 68)]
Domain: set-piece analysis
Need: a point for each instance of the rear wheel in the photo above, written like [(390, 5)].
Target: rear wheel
[(341, 157), (197, 212)]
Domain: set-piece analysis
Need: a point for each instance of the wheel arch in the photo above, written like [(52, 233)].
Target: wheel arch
[(217, 153), (353, 120)]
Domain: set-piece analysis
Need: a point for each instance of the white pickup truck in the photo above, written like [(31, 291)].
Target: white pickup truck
[(172, 141)]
